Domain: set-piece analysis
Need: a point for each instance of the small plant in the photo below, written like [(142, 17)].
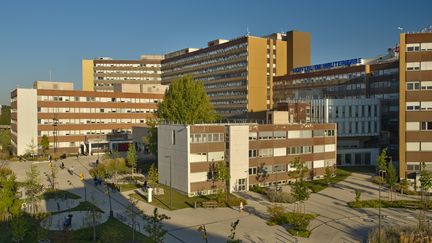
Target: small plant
[(231, 237), (357, 195), (277, 214), (280, 197)]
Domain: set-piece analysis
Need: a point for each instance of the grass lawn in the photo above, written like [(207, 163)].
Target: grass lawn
[(298, 222), (318, 185), (83, 206), (59, 194), (110, 231), (361, 169), (180, 200), (410, 204), (128, 187)]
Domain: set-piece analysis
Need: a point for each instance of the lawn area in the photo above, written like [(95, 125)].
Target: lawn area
[(321, 184), (299, 222), (110, 231), (410, 204), (128, 187), (59, 194), (180, 200), (83, 206), (361, 169)]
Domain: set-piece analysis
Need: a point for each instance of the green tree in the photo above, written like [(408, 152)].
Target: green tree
[(114, 167), (153, 175), (33, 187), (186, 102), (52, 175), (5, 140), (5, 115), (19, 228), (9, 205), (328, 174), (358, 193), (32, 148), (154, 226), (381, 160), (151, 139), (44, 143), (425, 183), (222, 174), (132, 157), (300, 191), (391, 178)]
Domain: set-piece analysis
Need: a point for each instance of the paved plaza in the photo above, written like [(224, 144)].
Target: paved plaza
[(336, 221)]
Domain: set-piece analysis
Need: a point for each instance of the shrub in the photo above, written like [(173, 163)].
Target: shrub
[(357, 194), (280, 197), (299, 221), (277, 214), (377, 180), (258, 189)]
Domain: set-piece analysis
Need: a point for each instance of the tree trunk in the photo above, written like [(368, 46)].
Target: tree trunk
[(94, 226)]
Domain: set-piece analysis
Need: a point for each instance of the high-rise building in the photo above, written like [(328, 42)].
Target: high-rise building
[(238, 74), (101, 74), (415, 102), (78, 121)]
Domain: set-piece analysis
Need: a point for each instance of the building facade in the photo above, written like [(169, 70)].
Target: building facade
[(102, 73), (238, 74), (255, 154), (415, 103), (78, 121), (351, 79)]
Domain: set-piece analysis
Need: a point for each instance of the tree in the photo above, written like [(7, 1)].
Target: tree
[(262, 174), (425, 183), (381, 160), (132, 213), (31, 148), (19, 228), (186, 102), (114, 167), (151, 139), (222, 174), (33, 187), (153, 175), (154, 226), (300, 191), (9, 204), (5, 140), (132, 157), (358, 193), (44, 143), (5, 115), (52, 175), (391, 178), (328, 174)]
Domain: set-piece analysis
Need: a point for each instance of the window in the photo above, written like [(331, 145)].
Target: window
[(426, 65), (252, 171), (413, 106), (426, 85), (347, 158), (425, 126), (367, 158), (253, 136), (357, 160), (413, 146), (426, 146), (413, 166), (413, 47), (279, 134), (267, 152), (413, 85), (426, 105), (426, 46), (265, 135), (318, 133), (279, 168), (414, 126), (329, 133), (412, 66), (252, 153)]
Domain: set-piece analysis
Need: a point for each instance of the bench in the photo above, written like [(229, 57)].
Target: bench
[(209, 204)]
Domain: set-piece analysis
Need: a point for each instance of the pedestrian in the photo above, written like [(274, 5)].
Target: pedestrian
[(241, 206), (145, 185), (62, 165), (58, 206)]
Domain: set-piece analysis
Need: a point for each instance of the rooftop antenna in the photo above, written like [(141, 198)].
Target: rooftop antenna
[(50, 74), (247, 31), (400, 29)]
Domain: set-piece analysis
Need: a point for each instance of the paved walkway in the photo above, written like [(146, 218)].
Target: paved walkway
[(80, 219)]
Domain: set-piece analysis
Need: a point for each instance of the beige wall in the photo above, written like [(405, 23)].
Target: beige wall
[(257, 77), (52, 85), (26, 120), (87, 75), (239, 155)]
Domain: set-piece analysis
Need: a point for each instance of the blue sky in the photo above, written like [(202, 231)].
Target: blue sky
[(43, 35)]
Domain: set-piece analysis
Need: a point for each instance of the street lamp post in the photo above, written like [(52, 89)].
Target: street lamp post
[(381, 172), (169, 156), (55, 124)]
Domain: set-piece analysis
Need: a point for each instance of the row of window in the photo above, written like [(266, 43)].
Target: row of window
[(357, 127), (419, 85), (225, 84), (91, 121), (418, 166), (415, 66), (419, 46), (96, 99), (206, 137), (419, 126), (83, 132), (419, 146), (277, 135), (128, 78), (128, 71), (296, 150), (328, 78), (126, 65), (419, 105), (92, 110)]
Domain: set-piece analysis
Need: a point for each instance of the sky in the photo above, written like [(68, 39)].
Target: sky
[(39, 37)]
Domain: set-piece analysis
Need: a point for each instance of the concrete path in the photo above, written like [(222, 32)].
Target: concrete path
[(80, 219)]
